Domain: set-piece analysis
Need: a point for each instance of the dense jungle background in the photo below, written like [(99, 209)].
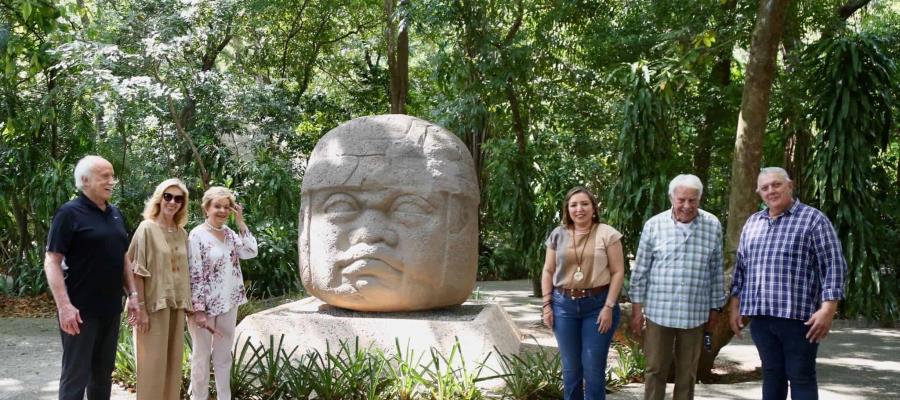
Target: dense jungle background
[(620, 96)]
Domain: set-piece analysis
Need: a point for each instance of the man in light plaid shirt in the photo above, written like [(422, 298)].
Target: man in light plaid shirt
[(788, 278), (679, 285)]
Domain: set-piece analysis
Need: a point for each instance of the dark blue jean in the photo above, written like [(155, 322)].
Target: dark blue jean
[(582, 347), (787, 356)]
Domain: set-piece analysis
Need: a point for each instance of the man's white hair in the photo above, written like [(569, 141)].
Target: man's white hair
[(83, 169), (686, 181), (774, 170)]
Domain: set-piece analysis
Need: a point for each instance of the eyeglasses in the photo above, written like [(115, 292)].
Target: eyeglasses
[(168, 197)]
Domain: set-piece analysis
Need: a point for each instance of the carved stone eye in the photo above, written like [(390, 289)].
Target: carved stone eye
[(411, 209), (340, 203)]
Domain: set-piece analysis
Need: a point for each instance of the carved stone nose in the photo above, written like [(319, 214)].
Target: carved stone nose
[(374, 234)]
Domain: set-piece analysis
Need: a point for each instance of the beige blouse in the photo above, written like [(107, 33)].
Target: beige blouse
[(594, 261), (161, 258)]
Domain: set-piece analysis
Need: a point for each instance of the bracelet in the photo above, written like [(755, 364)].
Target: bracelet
[(610, 306), (547, 303), (132, 294)]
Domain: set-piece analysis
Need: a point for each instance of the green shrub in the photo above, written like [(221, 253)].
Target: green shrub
[(125, 373), (364, 373), (444, 381), (629, 366), (531, 375)]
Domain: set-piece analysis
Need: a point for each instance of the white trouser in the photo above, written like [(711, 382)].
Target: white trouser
[(205, 343)]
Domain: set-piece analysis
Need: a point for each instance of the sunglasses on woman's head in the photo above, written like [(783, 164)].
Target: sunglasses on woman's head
[(170, 197)]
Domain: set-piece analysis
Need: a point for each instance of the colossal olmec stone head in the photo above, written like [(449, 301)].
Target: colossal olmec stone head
[(388, 216)]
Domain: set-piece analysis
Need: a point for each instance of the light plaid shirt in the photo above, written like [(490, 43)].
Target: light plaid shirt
[(787, 266), (678, 277)]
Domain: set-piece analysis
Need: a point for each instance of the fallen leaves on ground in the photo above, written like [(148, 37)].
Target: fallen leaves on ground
[(41, 306)]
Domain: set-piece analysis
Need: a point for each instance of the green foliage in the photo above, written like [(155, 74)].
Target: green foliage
[(531, 375), (645, 162), (630, 364), (402, 372), (126, 364), (447, 377), (536, 90), (851, 80), (268, 189), (353, 372)]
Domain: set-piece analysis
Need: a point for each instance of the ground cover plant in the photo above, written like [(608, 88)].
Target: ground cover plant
[(350, 372)]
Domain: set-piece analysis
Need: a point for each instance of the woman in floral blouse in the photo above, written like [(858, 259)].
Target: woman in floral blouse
[(217, 289)]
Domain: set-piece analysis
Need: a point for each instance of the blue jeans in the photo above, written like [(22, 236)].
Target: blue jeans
[(787, 356), (582, 347)]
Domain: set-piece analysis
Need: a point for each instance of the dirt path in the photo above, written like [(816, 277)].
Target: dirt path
[(30, 358)]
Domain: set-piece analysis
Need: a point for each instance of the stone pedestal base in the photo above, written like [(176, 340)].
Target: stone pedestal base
[(310, 324)]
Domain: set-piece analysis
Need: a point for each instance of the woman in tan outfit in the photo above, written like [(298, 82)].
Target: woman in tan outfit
[(583, 273), (158, 255)]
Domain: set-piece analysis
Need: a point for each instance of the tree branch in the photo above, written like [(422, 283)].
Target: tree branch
[(847, 10), (514, 29)]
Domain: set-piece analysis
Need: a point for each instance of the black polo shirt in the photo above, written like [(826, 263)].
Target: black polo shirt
[(93, 243)]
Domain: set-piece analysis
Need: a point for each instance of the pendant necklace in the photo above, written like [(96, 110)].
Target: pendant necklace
[(579, 257)]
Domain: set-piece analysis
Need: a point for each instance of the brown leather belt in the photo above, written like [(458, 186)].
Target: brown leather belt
[(576, 294)]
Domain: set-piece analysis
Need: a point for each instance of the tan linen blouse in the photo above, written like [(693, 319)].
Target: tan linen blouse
[(594, 264), (161, 258)]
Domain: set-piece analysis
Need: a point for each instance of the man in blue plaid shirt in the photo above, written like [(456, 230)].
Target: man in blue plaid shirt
[(679, 285), (788, 278)]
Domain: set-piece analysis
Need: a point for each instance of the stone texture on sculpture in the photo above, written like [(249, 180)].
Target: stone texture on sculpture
[(388, 216)]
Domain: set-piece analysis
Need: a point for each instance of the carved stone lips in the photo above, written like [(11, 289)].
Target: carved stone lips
[(368, 266), (370, 261)]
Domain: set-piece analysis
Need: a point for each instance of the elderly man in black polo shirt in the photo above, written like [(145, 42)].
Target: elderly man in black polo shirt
[(87, 271)]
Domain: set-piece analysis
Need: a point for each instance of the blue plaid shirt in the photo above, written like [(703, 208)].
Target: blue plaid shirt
[(787, 266), (678, 277)]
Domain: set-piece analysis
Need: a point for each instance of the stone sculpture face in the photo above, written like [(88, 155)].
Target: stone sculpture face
[(388, 216)]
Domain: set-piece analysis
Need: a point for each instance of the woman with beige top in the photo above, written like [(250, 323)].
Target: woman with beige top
[(217, 289), (158, 255), (583, 273)]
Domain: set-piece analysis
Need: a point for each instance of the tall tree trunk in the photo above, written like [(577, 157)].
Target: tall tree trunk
[(397, 39), (743, 200), (54, 120)]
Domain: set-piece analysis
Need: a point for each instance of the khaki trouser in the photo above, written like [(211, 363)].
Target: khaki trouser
[(159, 353), (660, 343), (204, 344)]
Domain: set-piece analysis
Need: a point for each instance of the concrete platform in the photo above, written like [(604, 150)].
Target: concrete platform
[(309, 324)]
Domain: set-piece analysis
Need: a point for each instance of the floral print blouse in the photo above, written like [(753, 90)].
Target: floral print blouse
[(217, 284)]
